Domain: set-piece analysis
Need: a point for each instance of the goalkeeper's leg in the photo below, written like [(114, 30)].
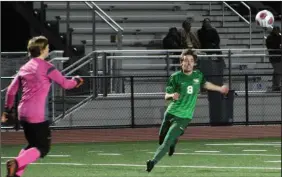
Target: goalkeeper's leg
[(38, 137)]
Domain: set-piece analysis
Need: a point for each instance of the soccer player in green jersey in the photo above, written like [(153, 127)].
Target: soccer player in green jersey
[(182, 89)]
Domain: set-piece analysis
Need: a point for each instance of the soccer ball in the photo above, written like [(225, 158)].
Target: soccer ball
[(265, 19)]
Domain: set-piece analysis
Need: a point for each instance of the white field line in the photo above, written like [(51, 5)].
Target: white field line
[(144, 150), (206, 151), (95, 151), (254, 150), (113, 154), (274, 161), (215, 154), (58, 155), (161, 166), (243, 144)]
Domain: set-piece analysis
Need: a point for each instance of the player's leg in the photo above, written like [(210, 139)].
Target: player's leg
[(44, 139), (176, 129), (163, 131), (165, 127), (28, 154), (30, 137), (39, 147), (172, 147), (12, 166), (40, 140)]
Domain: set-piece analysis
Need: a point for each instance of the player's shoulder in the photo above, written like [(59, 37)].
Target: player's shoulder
[(175, 74), (48, 64)]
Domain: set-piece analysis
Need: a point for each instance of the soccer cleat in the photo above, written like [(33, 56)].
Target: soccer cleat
[(12, 168), (171, 150), (150, 165)]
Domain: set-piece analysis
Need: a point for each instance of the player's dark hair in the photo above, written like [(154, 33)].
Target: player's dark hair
[(36, 45), (188, 52)]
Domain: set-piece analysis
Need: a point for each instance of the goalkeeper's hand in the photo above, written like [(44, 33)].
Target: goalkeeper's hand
[(78, 80), (9, 118)]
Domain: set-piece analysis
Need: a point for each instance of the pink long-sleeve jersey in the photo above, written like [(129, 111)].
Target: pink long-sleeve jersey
[(34, 78)]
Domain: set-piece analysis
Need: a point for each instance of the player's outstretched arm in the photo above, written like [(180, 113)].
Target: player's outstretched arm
[(212, 87), (57, 76)]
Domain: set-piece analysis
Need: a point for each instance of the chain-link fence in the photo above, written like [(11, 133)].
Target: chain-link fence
[(141, 103)]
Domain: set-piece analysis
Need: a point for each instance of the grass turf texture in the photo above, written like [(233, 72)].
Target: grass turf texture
[(86, 160)]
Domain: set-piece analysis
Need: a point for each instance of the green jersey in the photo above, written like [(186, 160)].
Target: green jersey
[(188, 87)]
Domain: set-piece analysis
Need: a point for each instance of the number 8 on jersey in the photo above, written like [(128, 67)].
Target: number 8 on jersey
[(190, 89)]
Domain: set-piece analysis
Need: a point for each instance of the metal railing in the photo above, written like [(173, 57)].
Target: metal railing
[(162, 53), (105, 17), (116, 27), (239, 15), (106, 67), (54, 52)]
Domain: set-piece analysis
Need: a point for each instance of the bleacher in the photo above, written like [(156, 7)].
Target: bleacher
[(146, 23)]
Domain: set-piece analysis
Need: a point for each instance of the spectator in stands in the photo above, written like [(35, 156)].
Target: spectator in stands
[(273, 41), (189, 39), (172, 41), (209, 37)]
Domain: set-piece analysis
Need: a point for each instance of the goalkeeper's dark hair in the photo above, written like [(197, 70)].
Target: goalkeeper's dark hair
[(36, 45), (188, 52)]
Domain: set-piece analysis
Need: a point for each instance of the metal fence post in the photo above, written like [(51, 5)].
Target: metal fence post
[(64, 103), (94, 73), (222, 24), (247, 98), (167, 63), (210, 8), (53, 100), (119, 40), (229, 68), (104, 82), (68, 16), (68, 35), (250, 28), (93, 30), (132, 101)]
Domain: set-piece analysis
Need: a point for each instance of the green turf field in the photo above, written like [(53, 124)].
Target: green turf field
[(261, 157)]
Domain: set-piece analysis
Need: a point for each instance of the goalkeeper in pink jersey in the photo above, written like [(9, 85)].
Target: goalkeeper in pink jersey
[(34, 78), (182, 89)]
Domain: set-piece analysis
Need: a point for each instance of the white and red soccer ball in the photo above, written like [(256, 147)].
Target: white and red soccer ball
[(265, 19)]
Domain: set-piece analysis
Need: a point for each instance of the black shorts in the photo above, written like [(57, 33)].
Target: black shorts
[(38, 135)]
